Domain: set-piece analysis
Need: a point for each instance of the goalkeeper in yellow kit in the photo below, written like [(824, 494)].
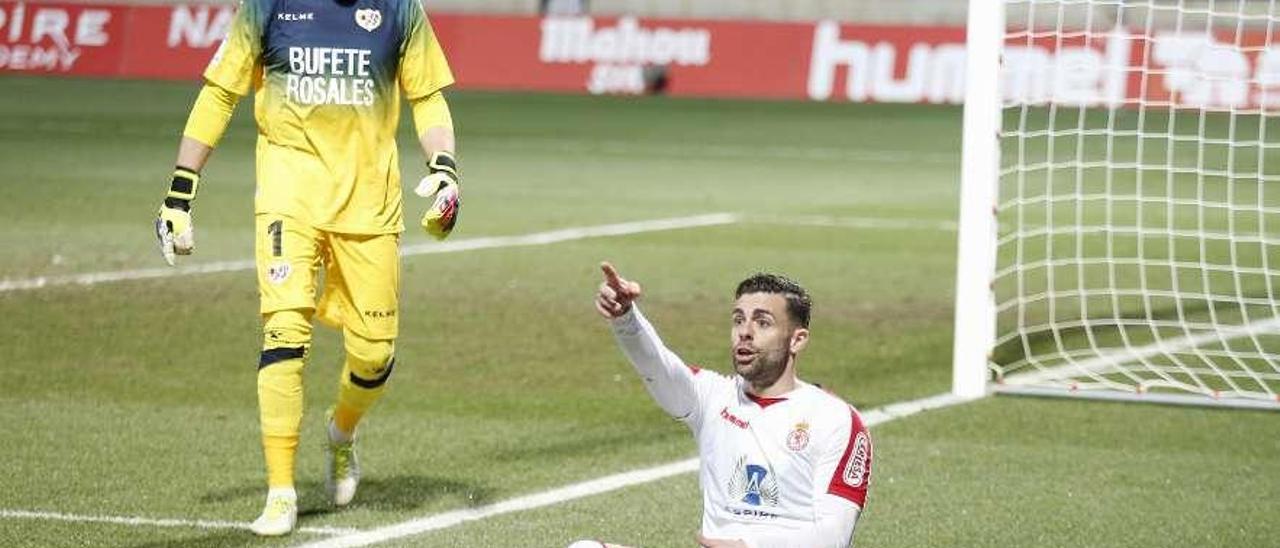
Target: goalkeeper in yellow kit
[(327, 78)]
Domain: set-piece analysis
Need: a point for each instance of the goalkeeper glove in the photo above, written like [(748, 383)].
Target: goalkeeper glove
[(442, 182), (173, 224)]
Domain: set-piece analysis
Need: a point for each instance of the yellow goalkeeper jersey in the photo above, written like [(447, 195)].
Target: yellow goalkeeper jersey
[(326, 77)]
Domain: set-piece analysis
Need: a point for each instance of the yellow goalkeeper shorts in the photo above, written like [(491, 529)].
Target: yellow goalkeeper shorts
[(361, 275)]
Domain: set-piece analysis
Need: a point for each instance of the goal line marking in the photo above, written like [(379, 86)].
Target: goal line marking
[(597, 486), (452, 246), (158, 522)]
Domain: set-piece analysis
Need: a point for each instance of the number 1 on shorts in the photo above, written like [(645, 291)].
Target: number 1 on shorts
[(276, 230)]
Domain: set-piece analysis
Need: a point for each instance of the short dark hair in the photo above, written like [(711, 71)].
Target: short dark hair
[(798, 301)]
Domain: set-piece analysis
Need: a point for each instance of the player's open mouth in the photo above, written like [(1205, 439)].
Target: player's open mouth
[(743, 354)]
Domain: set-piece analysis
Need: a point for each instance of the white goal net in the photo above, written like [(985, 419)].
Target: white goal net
[(1137, 209)]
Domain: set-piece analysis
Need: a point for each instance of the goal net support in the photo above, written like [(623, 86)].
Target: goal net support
[(1120, 202)]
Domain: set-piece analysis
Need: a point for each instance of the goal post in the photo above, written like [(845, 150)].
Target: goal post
[(1120, 201), (980, 163)]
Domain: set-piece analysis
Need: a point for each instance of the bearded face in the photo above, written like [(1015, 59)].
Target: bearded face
[(762, 338)]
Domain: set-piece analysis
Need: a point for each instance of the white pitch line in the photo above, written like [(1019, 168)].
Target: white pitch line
[(346, 536), (537, 238), (568, 234), (493, 242), (159, 522), (95, 278), (588, 488), (902, 410), (874, 223)]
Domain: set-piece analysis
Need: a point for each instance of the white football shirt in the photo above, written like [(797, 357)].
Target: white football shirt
[(787, 471)]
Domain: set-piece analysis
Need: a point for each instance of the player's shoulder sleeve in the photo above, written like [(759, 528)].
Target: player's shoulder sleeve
[(236, 63), (712, 391), (844, 464), (423, 67)]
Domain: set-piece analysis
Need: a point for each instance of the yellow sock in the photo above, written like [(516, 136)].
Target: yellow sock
[(281, 452), (364, 376), (280, 412), (353, 402), (346, 417)]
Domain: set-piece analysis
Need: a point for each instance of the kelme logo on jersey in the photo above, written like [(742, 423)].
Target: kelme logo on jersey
[(369, 19), (752, 484), (855, 471)]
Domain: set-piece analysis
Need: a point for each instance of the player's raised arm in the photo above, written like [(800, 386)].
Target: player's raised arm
[(616, 294), (668, 379)]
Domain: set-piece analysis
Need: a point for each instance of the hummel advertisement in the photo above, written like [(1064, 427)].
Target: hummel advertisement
[(820, 61)]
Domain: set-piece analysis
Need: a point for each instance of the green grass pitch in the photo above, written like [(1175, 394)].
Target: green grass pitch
[(136, 398)]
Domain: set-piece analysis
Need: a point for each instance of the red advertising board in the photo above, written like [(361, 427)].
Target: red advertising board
[(611, 55), (62, 38), (174, 42), (822, 61)]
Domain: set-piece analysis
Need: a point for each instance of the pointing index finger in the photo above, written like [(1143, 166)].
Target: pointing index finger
[(611, 275)]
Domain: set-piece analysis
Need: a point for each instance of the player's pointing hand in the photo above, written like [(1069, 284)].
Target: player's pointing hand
[(616, 293)]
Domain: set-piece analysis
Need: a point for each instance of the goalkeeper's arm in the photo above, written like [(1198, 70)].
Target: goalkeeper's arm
[(434, 123), (205, 125)]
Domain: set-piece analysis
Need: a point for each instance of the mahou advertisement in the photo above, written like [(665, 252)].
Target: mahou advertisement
[(819, 61)]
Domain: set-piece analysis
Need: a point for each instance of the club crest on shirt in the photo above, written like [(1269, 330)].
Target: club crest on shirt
[(855, 471), (278, 273), (798, 439), (752, 484), (368, 19)]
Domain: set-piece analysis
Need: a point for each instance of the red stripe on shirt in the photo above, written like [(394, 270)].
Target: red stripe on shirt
[(852, 476), (763, 402)]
